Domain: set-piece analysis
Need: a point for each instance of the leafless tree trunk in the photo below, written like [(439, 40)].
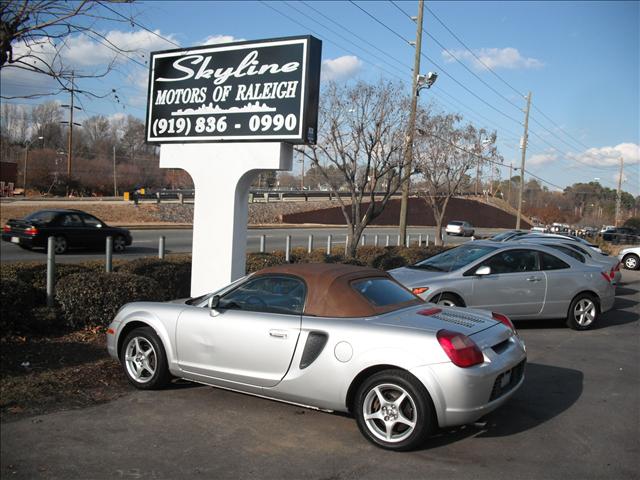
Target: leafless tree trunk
[(361, 135)]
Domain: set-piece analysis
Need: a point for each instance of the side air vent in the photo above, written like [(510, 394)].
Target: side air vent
[(312, 348)]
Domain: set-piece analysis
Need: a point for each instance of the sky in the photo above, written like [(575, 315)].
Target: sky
[(579, 60)]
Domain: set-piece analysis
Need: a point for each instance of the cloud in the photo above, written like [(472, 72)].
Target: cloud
[(607, 156), (542, 158), (341, 68), (509, 58), (216, 39)]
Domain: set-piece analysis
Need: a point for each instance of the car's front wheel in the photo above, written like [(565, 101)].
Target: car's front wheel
[(394, 410), (144, 359), (60, 245), (631, 262), (448, 300), (583, 312), (119, 244)]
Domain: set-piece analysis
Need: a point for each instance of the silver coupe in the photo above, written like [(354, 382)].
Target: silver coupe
[(331, 337)]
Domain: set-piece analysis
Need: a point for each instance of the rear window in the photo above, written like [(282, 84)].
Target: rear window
[(455, 223), (382, 292), (42, 216)]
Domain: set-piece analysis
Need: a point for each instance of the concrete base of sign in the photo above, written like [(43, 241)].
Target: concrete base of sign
[(222, 174)]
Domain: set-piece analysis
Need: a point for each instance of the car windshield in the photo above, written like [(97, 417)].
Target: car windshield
[(42, 216), (455, 258), (382, 292)]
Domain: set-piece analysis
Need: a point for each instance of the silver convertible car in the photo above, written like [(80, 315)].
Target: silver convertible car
[(521, 280), (331, 337)]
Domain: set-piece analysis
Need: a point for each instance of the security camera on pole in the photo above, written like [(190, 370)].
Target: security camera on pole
[(225, 114)]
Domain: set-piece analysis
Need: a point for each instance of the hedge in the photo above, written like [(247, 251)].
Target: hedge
[(173, 276), (17, 300), (92, 299)]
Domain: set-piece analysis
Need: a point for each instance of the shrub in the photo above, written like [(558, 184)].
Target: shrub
[(35, 274), (174, 276), (17, 300), (369, 255), (92, 299), (258, 261)]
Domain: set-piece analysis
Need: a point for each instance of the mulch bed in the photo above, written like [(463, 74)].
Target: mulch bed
[(44, 374)]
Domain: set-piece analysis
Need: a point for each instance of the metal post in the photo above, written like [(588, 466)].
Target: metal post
[(427, 239), (375, 240), (399, 240), (158, 197), (408, 240), (420, 240), (310, 244), (51, 272), (329, 244), (161, 247), (346, 242), (287, 249), (181, 198), (263, 241), (363, 241), (115, 177), (108, 267), (386, 244)]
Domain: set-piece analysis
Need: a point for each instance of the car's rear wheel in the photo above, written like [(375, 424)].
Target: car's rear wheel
[(119, 244), (394, 410), (583, 312), (144, 359), (448, 300), (631, 262), (60, 245)]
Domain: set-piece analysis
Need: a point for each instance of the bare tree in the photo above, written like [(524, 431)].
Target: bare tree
[(444, 154), (361, 134), (33, 34)]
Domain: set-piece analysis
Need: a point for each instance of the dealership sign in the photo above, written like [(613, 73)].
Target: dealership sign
[(263, 90)]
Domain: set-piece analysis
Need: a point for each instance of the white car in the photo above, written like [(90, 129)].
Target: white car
[(457, 227), (630, 258)]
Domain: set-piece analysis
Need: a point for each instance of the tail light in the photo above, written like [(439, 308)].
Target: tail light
[(6, 229), (462, 351), (504, 320), (419, 290), (427, 312), (31, 231)]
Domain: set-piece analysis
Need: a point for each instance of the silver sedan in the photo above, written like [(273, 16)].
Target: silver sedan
[(332, 337), (521, 280)]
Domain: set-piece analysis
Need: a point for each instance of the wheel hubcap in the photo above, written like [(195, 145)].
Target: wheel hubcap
[(390, 413), (631, 263), (118, 244), (60, 245), (140, 359), (447, 303), (584, 312)]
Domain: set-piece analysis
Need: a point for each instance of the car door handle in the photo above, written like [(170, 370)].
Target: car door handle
[(533, 279), (278, 333)]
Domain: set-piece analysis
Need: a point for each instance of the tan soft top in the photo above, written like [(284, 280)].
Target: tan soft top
[(329, 290)]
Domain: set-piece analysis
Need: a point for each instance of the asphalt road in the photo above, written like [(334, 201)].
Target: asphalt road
[(145, 242), (576, 417)]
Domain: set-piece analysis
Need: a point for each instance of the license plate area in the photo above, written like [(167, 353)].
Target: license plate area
[(15, 240)]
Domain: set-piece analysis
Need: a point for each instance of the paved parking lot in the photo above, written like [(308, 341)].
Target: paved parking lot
[(577, 416)]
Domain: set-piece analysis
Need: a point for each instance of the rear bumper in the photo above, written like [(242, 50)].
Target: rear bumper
[(463, 395), (24, 241)]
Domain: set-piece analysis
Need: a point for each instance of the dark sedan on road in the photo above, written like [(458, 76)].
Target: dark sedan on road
[(69, 228)]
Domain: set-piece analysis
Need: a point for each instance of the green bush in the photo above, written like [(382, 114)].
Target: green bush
[(17, 300), (174, 276), (35, 274), (92, 299), (258, 261)]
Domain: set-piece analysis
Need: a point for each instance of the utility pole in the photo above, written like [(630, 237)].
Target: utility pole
[(70, 144), (115, 181), (525, 139), (408, 152), (619, 194), (510, 174)]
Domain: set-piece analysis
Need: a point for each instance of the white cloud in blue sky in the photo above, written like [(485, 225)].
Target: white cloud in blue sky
[(341, 68), (494, 58)]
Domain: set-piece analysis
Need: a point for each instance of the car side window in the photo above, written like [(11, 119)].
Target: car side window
[(512, 261), (71, 220), (551, 262), (269, 294), (566, 251), (91, 221)]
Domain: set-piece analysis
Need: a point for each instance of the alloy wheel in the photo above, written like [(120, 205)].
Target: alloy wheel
[(631, 262), (140, 359), (119, 244), (585, 312), (389, 412), (59, 245)]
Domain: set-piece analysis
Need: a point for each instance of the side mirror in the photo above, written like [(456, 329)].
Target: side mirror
[(214, 301), (486, 270)]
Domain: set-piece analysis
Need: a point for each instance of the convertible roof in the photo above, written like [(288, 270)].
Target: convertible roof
[(329, 290)]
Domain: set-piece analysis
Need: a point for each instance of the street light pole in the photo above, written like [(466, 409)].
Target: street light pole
[(525, 138), (408, 153)]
